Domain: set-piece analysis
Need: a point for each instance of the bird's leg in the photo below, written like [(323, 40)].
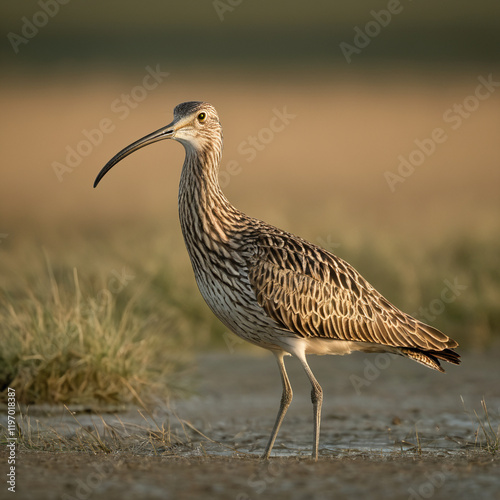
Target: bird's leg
[(317, 401), (286, 399)]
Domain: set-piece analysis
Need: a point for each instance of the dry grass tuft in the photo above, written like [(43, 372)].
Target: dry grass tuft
[(64, 342), (97, 437), (490, 439)]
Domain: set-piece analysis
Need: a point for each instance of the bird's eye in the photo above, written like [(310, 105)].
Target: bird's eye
[(202, 117)]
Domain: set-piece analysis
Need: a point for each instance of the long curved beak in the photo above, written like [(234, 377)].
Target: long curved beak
[(160, 134)]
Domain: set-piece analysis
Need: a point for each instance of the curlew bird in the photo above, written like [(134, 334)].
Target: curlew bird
[(272, 288)]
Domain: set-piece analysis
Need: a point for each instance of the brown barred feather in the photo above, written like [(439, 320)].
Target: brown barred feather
[(329, 289)]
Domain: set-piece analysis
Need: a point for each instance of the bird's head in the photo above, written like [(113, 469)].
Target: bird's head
[(196, 126)]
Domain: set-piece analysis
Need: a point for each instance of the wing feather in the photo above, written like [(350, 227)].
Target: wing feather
[(313, 293)]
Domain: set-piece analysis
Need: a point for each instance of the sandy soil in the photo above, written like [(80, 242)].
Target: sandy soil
[(373, 408)]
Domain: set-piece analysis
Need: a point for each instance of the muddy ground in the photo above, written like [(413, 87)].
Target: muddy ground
[(390, 429)]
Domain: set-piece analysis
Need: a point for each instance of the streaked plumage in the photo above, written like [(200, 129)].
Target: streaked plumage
[(275, 289)]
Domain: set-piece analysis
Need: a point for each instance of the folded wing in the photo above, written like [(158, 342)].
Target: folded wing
[(313, 293)]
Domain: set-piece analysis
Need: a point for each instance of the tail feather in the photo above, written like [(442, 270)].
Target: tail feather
[(447, 355), (431, 358)]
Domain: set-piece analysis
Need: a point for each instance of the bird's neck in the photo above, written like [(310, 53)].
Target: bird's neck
[(203, 208)]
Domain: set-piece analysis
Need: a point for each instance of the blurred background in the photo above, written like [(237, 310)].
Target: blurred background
[(369, 128)]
